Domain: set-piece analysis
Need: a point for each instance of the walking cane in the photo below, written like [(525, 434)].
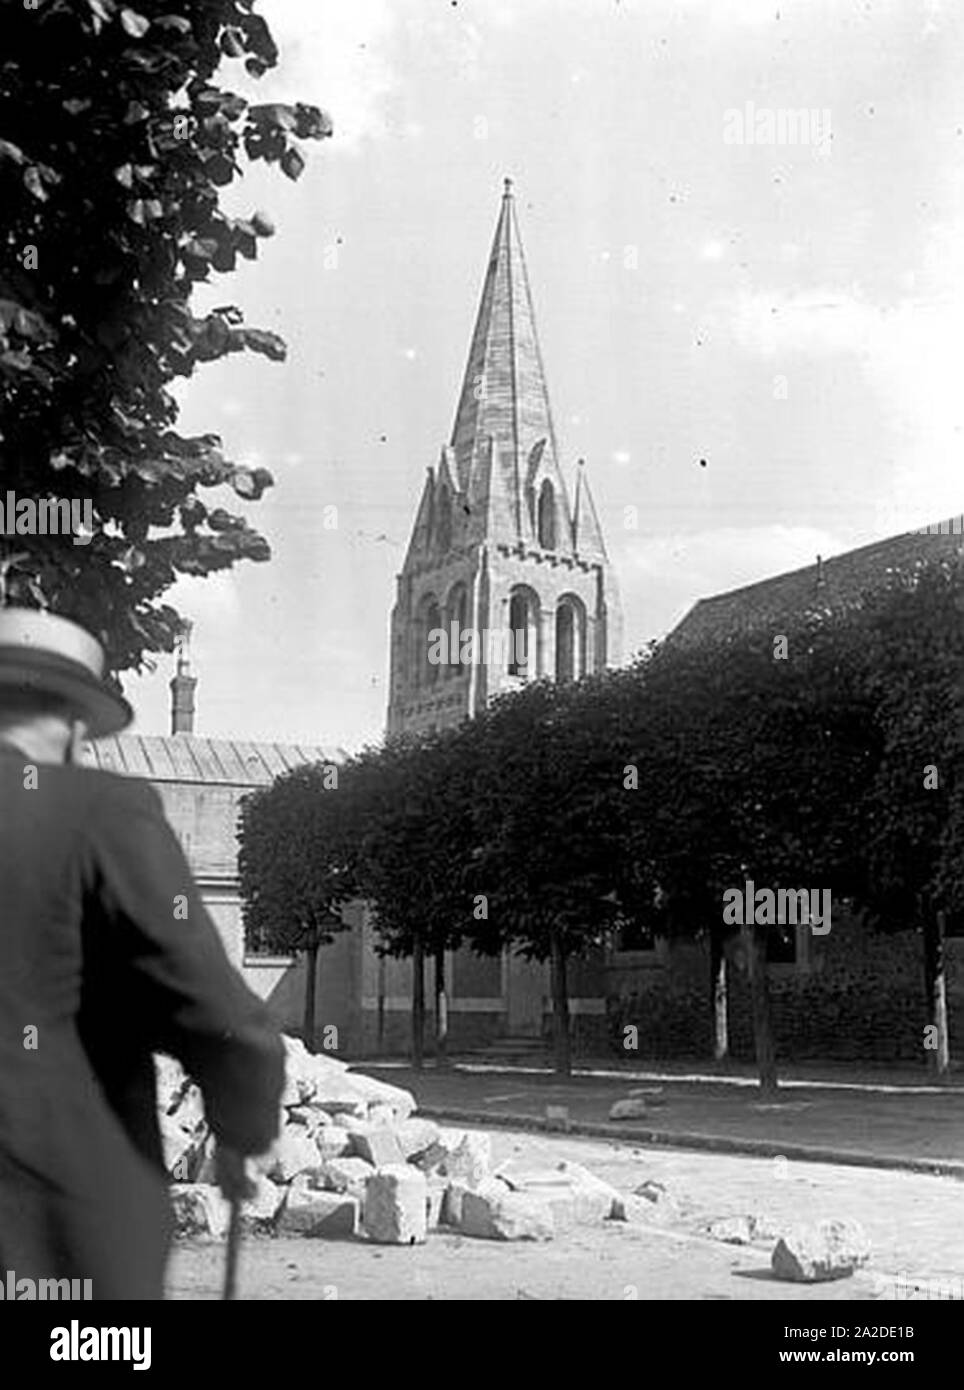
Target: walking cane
[(235, 1187), (233, 1250)]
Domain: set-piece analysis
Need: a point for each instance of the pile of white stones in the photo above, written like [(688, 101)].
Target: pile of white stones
[(353, 1160)]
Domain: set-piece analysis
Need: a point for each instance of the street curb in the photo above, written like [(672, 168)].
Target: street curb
[(706, 1143)]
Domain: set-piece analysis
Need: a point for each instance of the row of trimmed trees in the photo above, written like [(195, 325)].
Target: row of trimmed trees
[(827, 754)]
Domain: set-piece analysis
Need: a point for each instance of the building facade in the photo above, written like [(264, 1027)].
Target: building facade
[(201, 783)]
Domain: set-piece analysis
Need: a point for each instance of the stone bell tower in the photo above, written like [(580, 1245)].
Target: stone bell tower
[(501, 547)]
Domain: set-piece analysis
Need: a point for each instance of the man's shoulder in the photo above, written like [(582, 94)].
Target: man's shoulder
[(101, 788)]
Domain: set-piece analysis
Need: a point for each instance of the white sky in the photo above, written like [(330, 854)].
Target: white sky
[(792, 317)]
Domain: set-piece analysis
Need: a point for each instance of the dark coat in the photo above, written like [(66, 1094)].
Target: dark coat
[(97, 954)]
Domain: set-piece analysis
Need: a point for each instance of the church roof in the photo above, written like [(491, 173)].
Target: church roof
[(187, 758), (832, 583), (504, 397), (504, 392)]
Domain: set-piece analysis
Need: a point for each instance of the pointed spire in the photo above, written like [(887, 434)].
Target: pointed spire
[(587, 537), (445, 474), (504, 391), (422, 530)]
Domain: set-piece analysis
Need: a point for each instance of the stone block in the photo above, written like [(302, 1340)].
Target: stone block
[(629, 1207), (817, 1253), (180, 1147), (381, 1114), (308, 1212), (199, 1209), (657, 1193), (634, 1108), (332, 1141), (308, 1117), (170, 1081), (651, 1203), (443, 1146), (400, 1102), (261, 1210), (744, 1230), (395, 1206), (417, 1137), (379, 1147), (346, 1175), (342, 1097), (294, 1152), (471, 1160), (653, 1095), (434, 1200), (583, 1199), (732, 1230), (493, 1214), (206, 1170), (453, 1194)]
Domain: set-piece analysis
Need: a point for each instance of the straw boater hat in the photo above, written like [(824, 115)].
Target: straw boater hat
[(41, 653)]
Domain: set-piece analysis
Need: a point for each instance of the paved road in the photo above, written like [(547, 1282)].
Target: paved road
[(915, 1222), (907, 1121)]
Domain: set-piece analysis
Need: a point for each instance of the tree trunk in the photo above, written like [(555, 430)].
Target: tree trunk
[(754, 936), (721, 1039), (381, 1003), (311, 976), (939, 1058), (441, 1012), (560, 1006), (418, 1003)]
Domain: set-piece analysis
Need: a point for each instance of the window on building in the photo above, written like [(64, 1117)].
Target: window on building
[(443, 522), (570, 639), (428, 620), (565, 643), (433, 624), (457, 617), (547, 516), (523, 631)]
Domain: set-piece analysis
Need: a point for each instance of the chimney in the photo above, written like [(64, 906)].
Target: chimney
[(183, 685)]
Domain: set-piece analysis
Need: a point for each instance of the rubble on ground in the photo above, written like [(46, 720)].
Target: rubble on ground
[(352, 1160), (820, 1252), (633, 1108)]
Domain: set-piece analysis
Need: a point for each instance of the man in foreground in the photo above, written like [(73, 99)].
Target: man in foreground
[(106, 956)]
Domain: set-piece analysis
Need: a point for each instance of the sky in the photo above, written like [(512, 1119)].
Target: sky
[(755, 345)]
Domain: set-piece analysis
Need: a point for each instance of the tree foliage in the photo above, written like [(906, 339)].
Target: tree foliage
[(115, 143), (296, 859), (296, 864), (826, 756)]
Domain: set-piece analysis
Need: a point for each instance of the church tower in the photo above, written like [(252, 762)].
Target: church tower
[(503, 560)]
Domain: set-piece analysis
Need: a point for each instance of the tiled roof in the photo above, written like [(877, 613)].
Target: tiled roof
[(187, 758), (831, 584)]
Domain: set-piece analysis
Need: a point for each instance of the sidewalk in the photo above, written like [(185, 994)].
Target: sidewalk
[(882, 1119)]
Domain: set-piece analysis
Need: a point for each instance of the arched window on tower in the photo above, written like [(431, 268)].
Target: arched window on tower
[(456, 623), (523, 654), (425, 630), (433, 625), (547, 516), (443, 522), (570, 639)]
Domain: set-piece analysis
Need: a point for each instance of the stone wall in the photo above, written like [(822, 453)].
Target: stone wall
[(859, 997)]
